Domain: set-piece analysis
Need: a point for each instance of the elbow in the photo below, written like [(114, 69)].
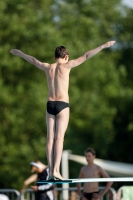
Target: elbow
[(87, 56), (25, 184), (33, 61)]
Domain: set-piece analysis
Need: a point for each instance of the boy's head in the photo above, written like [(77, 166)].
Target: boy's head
[(61, 52), (90, 155)]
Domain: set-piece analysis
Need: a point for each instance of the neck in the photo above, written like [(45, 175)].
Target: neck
[(61, 60), (90, 163)]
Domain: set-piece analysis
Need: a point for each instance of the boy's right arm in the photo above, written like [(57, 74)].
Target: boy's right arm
[(88, 54), (79, 184), (30, 59)]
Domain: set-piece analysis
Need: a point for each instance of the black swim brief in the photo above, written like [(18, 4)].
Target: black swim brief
[(89, 196), (54, 107)]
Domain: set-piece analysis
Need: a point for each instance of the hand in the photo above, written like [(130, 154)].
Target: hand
[(35, 188), (81, 196), (22, 191), (108, 44), (97, 195), (15, 52)]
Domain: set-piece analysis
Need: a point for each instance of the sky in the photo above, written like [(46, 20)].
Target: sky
[(128, 3)]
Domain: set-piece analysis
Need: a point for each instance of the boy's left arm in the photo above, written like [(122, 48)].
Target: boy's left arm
[(88, 54), (104, 174)]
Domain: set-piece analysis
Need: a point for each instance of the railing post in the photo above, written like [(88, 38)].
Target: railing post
[(65, 173)]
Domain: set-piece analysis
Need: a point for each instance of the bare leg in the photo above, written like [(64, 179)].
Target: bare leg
[(50, 120), (61, 123)]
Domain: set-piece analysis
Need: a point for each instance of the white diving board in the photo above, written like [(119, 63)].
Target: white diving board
[(86, 180)]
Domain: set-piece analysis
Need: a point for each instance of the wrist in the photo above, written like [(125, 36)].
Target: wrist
[(101, 194), (102, 46), (79, 193)]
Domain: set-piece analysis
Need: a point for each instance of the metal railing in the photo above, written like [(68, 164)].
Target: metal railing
[(12, 194), (29, 194)]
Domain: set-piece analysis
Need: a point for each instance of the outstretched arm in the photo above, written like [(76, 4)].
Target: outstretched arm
[(88, 54), (30, 59)]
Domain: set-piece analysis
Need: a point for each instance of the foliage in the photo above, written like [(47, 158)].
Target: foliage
[(100, 89)]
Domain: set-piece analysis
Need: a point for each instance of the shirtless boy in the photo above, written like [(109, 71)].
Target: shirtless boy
[(57, 114), (91, 170)]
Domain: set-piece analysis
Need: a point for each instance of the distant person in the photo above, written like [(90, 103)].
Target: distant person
[(42, 192), (91, 170), (57, 114)]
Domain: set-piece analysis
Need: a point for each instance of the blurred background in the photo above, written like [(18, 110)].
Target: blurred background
[(101, 89)]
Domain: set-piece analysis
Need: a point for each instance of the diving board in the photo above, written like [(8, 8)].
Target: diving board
[(86, 180)]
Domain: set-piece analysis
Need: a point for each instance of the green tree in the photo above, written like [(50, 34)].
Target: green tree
[(29, 27), (100, 89)]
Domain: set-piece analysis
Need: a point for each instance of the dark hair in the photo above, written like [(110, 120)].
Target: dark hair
[(91, 150), (61, 52)]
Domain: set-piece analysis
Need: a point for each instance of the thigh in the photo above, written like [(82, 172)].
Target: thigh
[(50, 121), (62, 120)]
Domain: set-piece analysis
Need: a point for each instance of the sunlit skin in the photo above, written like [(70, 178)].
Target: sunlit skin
[(89, 158), (58, 84), (37, 170), (91, 170)]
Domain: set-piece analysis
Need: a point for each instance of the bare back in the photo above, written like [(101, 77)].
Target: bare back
[(58, 73), (58, 82)]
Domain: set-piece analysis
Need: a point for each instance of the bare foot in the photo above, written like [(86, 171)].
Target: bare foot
[(58, 176)]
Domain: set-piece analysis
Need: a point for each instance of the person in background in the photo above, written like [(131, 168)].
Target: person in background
[(42, 192), (91, 170)]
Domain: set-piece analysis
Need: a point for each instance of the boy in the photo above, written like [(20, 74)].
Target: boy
[(91, 170), (57, 114)]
